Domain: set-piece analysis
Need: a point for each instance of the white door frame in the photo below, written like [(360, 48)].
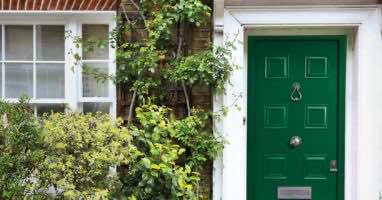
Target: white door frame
[(363, 160)]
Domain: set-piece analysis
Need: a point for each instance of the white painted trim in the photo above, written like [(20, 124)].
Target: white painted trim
[(363, 179), (112, 71), (79, 69), (96, 61), (218, 101), (2, 64), (96, 99), (71, 74), (31, 61), (40, 101), (34, 64), (294, 7)]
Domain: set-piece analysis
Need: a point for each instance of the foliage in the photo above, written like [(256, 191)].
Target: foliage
[(80, 151), (209, 67), (193, 134), (72, 156), (138, 66), (146, 64), (20, 148), (171, 153), (165, 13)]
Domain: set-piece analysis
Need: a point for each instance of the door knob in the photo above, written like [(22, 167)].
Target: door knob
[(295, 141)]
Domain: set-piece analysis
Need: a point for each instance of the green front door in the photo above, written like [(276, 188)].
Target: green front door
[(295, 118)]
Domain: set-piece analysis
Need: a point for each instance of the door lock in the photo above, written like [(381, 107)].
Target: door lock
[(333, 166)]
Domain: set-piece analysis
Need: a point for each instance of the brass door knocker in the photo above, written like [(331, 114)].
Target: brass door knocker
[(296, 94)]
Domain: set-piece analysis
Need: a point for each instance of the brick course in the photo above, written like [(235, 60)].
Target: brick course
[(61, 5)]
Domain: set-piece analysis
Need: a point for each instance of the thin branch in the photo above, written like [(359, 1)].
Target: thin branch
[(125, 13), (131, 109), (179, 51), (232, 104), (180, 41), (133, 98), (138, 9), (187, 98)]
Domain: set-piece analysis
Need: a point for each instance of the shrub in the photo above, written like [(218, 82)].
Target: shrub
[(81, 151), (20, 149), (76, 156), (171, 153)]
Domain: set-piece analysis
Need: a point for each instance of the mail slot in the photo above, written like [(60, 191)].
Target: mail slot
[(304, 193)]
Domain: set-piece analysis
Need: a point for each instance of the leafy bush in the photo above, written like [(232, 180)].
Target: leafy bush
[(79, 153), (20, 149), (171, 153), (75, 156)]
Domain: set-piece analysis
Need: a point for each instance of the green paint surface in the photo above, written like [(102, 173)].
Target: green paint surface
[(274, 65)]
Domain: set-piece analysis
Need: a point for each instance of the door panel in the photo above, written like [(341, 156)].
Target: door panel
[(293, 91)]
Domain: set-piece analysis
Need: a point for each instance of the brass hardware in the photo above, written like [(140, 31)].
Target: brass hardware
[(296, 89)]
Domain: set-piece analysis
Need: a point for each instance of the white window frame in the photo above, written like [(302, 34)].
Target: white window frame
[(73, 21)]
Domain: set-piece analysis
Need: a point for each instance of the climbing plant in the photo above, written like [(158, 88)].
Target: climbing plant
[(151, 56), (157, 57)]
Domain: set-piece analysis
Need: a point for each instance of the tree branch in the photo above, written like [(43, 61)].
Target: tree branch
[(131, 109), (179, 52), (138, 9), (187, 98), (125, 13)]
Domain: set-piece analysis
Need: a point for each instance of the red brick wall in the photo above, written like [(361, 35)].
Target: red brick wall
[(59, 4)]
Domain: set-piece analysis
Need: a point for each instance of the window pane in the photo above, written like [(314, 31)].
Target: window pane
[(93, 87), (93, 34), (50, 80), (96, 107), (49, 108), (19, 42), (50, 42), (18, 80)]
